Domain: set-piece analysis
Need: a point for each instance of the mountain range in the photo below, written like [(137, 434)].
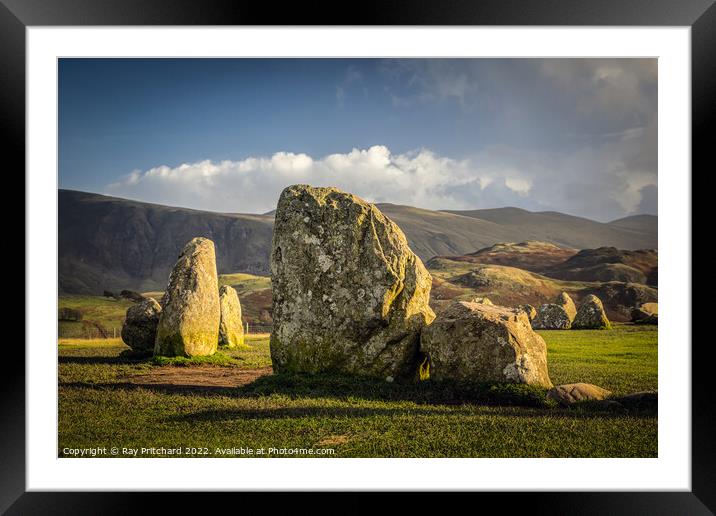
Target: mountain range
[(108, 243)]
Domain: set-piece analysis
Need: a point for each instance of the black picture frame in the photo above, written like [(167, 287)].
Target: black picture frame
[(700, 15)]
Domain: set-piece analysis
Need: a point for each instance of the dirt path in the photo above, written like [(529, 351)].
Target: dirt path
[(199, 376)]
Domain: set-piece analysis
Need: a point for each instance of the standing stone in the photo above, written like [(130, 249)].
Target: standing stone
[(484, 343), (566, 302), (189, 324), (231, 329), (591, 315), (139, 330), (349, 295), (530, 310), (551, 317)]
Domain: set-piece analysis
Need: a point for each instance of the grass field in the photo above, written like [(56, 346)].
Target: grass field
[(108, 312), (107, 398)]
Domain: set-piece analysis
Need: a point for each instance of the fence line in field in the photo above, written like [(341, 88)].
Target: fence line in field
[(250, 328), (88, 332)]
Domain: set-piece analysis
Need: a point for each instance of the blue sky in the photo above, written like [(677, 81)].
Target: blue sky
[(577, 135)]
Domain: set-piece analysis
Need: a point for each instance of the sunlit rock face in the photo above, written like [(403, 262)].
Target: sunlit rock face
[(485, 343), (231, 329), (189, 321), (349, 296), (591, 315)]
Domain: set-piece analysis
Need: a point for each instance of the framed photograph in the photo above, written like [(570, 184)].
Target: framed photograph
[(417, 253)]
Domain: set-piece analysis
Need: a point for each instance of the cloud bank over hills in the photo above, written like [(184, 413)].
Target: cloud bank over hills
[(495, 177)]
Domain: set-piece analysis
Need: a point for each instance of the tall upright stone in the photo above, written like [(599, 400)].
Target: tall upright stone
[(566, 302), (189, 322), (349, 295), (231, 329), (551, 317), (591, 315)]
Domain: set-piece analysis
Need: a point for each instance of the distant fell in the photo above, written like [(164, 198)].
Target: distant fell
[(570, 231), (108, 243), (647, 223), (532, 255)]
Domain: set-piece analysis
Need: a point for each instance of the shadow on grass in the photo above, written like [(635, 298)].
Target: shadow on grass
[(312, 412), (129, 356), (297, 386), (125, 357), (342, 387), (365, 412)]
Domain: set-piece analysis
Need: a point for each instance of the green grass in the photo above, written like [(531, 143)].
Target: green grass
[(109, 313), (254, 293), (106, 311), (622, 360), (362, 418), (245, 283)]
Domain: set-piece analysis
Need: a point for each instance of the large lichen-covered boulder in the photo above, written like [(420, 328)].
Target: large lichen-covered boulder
[(591, 315), (566, 302), (647, 313), (231, 329), (189, 324), (484, 343), (349, 296), (551, 317), (139, 330)]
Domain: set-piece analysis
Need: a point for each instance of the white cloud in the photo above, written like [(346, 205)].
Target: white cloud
[(495, 177)]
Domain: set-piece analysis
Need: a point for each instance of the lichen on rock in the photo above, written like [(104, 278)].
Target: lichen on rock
[(551, 317), (231, 329), (566, 302), (485, 343), (139, 330), (591, 315), (349, 295), (189, 323), (530, 310)]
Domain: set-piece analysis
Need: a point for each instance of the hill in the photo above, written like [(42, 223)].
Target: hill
[(511, 286), (111, 243), (647, 223), (570, 231), (532, 256), (609, 264)]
